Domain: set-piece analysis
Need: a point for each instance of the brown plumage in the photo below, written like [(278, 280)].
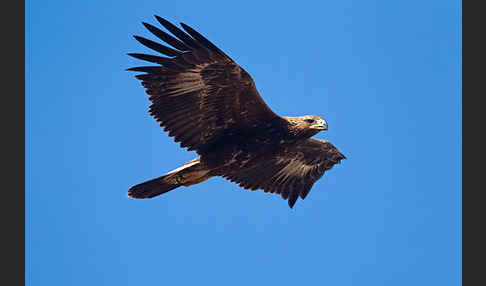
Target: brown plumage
[(211, 105)]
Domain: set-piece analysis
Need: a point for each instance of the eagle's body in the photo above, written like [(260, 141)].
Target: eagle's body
[(211, 105)]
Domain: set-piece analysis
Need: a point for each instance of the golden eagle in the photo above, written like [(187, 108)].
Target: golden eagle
[(210, 104)]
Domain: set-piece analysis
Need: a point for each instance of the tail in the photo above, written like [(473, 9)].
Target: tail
[(188, 174), (152, 188)]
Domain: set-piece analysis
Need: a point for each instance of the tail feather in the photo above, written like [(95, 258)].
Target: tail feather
[(152, 188), (188, 174)]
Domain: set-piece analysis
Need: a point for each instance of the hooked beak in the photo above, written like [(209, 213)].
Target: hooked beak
[(322, 126)]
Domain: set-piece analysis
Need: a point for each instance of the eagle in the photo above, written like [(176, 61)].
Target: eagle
[(210, 105)]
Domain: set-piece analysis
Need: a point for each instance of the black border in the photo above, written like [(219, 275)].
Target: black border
[(12, 119), (473, 158)]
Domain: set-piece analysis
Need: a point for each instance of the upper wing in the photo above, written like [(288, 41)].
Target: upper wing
[(198, 93), (290, 172)]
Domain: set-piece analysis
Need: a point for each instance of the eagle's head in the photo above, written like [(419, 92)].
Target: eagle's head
[(307, 125), (314, 122)]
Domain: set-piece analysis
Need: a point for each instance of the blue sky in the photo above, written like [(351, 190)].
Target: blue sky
[(386, 75)]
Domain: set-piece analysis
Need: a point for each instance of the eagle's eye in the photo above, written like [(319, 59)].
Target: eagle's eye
[(310, 120)]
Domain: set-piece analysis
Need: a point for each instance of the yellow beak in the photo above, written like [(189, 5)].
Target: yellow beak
[(319, 127)]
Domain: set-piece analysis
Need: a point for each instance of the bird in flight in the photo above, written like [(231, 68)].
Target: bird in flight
[(211, 105)]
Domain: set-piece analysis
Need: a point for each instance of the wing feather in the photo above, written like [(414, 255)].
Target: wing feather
[(198, 93), (157, 47), (166, 37), (178, 33), (290, 172), (203, 40)]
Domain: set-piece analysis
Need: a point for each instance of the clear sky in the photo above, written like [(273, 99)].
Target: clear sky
[(386, 75)]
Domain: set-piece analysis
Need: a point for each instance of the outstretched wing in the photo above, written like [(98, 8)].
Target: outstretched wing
[(290, 172), (198, 93)]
